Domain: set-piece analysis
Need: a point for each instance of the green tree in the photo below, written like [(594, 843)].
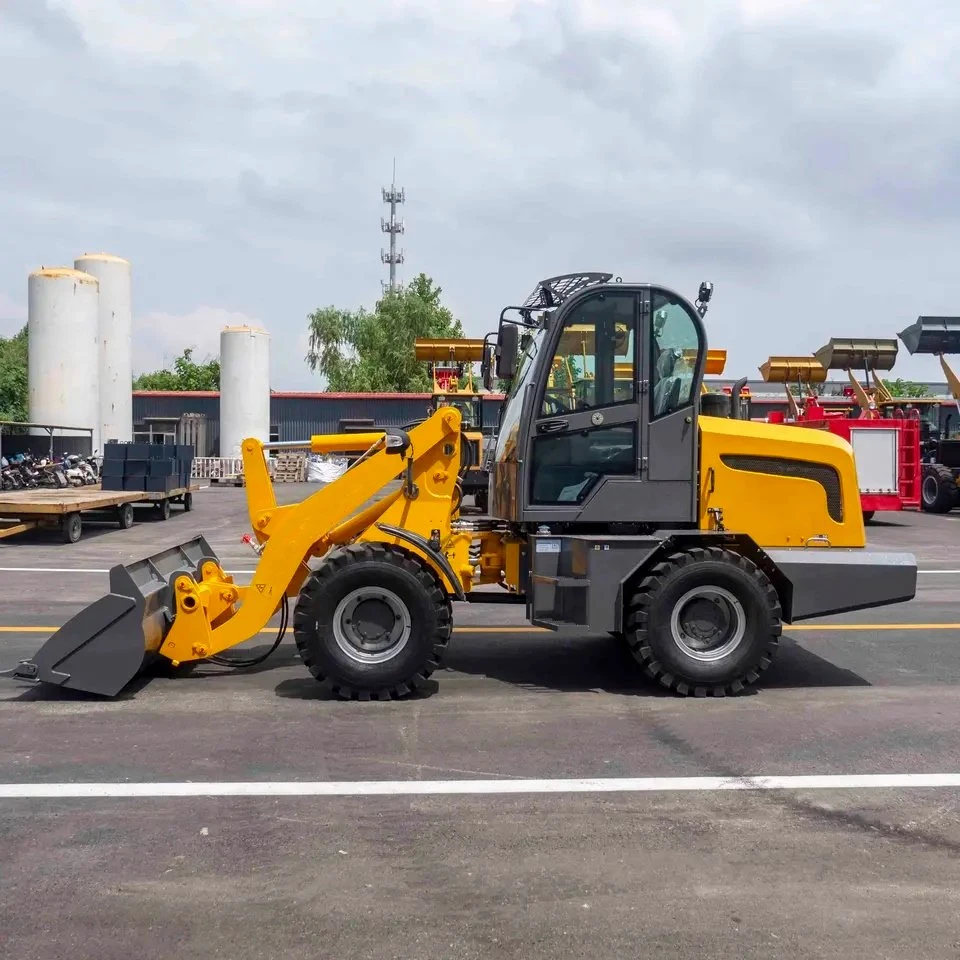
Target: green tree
[(362, 351), (13, 376), (907, 388), (186, 374)]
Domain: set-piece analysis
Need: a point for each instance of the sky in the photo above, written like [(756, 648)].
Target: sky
[(803, 156)]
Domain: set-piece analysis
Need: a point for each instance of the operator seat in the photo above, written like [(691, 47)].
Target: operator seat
[(666, 394)]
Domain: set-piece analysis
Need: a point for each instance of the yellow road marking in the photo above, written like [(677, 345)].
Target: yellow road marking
[(528, 629)]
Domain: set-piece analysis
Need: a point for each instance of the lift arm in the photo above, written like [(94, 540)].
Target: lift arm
[(215, 614)]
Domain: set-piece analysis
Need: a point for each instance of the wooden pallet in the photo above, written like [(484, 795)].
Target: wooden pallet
[(230, 480), (290, 468)]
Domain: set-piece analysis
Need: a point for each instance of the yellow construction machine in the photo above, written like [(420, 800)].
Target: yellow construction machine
[(450, 361), (618, 508)]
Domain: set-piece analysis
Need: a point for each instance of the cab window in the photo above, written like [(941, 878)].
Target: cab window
[(675, 350), (594, 363)]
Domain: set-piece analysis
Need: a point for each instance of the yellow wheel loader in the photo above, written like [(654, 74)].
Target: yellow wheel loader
[(449, 360), (617, 508)]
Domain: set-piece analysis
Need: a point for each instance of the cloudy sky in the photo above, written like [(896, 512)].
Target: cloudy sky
[(805, 156)]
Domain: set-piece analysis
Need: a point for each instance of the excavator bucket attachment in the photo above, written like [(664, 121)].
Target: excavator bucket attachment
[(932, 335), (793, 370), (843, 354), (103, 647), (447, 350)]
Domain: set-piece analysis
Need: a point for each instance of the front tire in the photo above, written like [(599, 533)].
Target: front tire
[(938, 492), (372, 622), (704, 622)]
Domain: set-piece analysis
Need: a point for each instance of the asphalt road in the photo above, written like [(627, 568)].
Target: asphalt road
[(858, 872)]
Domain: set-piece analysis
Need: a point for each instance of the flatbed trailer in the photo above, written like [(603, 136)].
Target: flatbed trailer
[(22, 510)]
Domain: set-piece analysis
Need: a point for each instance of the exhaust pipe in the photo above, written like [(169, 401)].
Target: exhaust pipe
[(103, 647)]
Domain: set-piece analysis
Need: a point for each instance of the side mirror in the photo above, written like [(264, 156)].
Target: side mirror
[(486, 367), (508, 340), (397, 441)]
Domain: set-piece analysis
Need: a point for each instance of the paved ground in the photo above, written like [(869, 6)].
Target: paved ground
[(798, 873)]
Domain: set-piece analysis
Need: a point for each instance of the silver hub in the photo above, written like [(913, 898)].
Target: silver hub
[(371, 625), (930, 489), (708, 623)]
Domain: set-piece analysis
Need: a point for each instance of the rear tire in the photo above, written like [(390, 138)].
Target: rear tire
[(72, 527), (163, 509), (125, 516), (938, 492), (372, 622), (704, 622), (868, 515), (187, 502)]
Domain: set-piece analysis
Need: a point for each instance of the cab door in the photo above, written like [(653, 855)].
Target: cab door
[(677, 348), (584, 426), (612, 433)]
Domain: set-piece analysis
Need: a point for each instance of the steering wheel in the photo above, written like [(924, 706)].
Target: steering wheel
[(552, 406)]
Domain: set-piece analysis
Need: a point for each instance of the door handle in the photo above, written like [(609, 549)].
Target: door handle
[(552, 426)]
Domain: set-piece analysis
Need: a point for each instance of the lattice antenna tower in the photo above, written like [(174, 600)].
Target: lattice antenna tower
[(392, 196)]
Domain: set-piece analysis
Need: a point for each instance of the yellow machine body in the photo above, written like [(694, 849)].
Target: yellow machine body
[(216, 614), (742, 466)]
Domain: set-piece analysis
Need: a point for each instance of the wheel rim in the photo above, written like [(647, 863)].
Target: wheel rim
[(929, 489), (371, 625), (708, 623)]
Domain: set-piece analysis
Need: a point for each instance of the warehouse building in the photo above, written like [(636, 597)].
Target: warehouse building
[(194, 417)]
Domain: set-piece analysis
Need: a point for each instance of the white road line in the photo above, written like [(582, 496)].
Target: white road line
[(402, 788)]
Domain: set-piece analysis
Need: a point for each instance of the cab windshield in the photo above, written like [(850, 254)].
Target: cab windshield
[(510, 416)]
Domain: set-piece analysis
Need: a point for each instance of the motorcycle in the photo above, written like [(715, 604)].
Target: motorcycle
[(77, 471), (10, 478), (40, 473), (94, 463)]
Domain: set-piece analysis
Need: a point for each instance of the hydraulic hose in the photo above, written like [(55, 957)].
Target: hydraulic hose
[(256, 661)]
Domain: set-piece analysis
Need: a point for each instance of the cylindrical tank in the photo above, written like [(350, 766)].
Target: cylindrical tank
[(244, 387), (63, 368), (116, 358)]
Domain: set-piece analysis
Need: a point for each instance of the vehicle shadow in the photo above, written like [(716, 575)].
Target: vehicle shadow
[(572, 663), (44, 691), (603, 664)]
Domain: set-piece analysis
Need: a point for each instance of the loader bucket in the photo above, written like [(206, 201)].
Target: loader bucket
[(103, 647), (932, 335), (843, 354), (715, 362), (792, 370)]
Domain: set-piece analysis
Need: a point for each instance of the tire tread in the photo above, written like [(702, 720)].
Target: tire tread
[(646, 591), (342, 558)]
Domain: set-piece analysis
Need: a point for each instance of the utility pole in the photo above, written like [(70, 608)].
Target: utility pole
[(392, 195)]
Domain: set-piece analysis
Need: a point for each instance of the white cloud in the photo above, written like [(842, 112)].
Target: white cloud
[(159, 338), (799, 154)]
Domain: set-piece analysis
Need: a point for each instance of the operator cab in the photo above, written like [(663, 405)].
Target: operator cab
[(600, 420)]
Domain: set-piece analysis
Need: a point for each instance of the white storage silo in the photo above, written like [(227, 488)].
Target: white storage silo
[(116, 359), (63, 367), (244, 387)]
